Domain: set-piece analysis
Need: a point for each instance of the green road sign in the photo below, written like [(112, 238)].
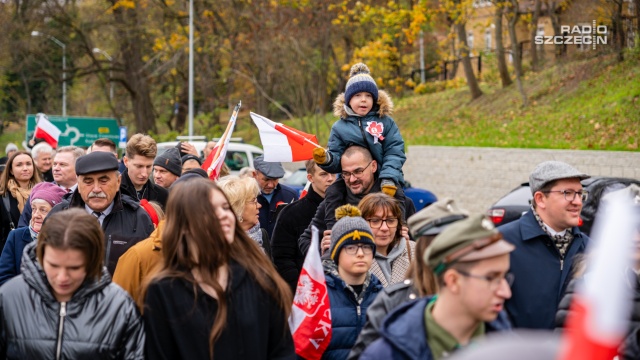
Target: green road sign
[(78, 130)]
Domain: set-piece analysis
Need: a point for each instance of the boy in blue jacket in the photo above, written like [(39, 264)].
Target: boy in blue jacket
[(471, 261), (365, 120)]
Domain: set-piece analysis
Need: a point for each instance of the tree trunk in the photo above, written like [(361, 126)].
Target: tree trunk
[(502, 62), (515, 49), (535, 62), (617, 21), (555, 24), (474, 88), (136, 83)]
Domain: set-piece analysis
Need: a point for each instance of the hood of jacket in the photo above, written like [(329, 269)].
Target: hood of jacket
[(36, 278), (404, 328), (384, 106)]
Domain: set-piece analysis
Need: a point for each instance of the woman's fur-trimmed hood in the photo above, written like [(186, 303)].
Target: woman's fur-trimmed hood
[(385, 105)]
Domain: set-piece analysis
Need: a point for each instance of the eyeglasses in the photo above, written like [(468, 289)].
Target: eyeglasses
[(376, 223), (353, 249), (494, 281), (570, 195), (357, 172), (254, 201)]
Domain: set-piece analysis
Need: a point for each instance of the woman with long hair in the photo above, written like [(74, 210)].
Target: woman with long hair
[(216, 295), (394, 253), (64, 305), (16, 182)]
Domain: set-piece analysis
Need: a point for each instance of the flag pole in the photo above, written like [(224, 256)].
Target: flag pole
[(223, 138)]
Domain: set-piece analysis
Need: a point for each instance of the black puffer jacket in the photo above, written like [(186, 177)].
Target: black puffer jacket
[(100, 321), (150, 191), (125, 226)]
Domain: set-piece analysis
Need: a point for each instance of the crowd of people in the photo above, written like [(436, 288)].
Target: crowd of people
[(149, 258)]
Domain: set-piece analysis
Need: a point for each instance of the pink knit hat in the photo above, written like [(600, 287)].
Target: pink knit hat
[(48, 192)]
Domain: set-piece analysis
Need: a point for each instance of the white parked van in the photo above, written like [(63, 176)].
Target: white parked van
[(239, 155)]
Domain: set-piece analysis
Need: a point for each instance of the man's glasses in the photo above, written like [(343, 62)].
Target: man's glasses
[(352, 249), (376, 223), (357, 172), (494, 281), (570, 195)]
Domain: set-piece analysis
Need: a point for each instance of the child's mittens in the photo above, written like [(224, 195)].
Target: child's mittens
[(321, 156), (389, 187)]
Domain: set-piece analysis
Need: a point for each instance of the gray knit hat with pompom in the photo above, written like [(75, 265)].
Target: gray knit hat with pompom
[(360, 80)]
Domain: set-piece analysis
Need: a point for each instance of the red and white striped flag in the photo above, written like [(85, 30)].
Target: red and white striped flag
[(46, 130), (600, 312), (304, 191), (213, 163), (310, 319), (282, 143)]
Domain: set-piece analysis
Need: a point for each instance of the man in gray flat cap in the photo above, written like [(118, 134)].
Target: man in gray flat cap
[(122, 219), (272, 194), (547, 239)]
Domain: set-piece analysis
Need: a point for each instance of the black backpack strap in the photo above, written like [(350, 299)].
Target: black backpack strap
[(7, 206)]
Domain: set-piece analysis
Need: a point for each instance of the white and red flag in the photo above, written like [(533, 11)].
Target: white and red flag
[(601, 309), (46, 130), (305, 191), (213, 163), (310, 320), (282, 143)]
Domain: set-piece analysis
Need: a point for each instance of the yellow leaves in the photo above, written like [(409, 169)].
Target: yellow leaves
[(207, 14), (125, 4)]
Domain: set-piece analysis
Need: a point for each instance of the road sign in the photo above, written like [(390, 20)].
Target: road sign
[(78, 130), (123, 137)]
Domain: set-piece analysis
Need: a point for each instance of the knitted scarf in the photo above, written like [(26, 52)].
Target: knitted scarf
[(561, 242), (256, 234), (20, 194)]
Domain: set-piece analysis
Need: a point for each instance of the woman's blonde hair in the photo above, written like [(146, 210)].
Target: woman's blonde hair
[(239, 191)]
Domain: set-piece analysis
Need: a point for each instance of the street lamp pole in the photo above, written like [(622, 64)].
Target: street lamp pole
[(105, 54), (64, 68), (190, 69)]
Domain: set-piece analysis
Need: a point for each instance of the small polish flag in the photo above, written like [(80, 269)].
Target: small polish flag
[(282, 143), (304, 191), (601, 309), (46, 130), (310, 319)]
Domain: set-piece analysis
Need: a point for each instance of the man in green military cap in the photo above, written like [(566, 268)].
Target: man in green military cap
[(470, 260)]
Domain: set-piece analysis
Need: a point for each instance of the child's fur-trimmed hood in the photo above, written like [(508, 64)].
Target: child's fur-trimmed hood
[(384, 103)]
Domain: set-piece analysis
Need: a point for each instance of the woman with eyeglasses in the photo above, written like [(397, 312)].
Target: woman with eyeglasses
[(351, 287), (394, 250), (243, 196)]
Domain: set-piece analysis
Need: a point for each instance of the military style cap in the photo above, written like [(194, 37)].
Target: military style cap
[(95, 162), (273, 170), (471, 239), (435, 218), (553, 170)]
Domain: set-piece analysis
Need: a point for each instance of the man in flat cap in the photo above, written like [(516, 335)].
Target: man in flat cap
[(123, 221), (471, 262), (547, 239), (272, 194)]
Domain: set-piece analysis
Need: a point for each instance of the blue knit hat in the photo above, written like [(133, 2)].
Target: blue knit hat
[(360, 80)]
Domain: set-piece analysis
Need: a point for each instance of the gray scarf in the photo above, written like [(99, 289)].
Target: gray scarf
[(256, 234), (561, 242)]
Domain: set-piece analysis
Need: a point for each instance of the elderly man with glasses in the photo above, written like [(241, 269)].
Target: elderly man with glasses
[(547, 239)]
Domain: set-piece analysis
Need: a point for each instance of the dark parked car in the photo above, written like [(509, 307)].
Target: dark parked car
[(518, 201), (421, 197)]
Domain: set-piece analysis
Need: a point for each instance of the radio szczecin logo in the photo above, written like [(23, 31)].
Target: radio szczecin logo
[(576, 35)]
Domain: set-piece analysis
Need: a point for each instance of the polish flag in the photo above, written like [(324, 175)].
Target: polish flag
[(305, 190), (47, 131), (282, 143), (310, 319), (600, 312), (213, 163)]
